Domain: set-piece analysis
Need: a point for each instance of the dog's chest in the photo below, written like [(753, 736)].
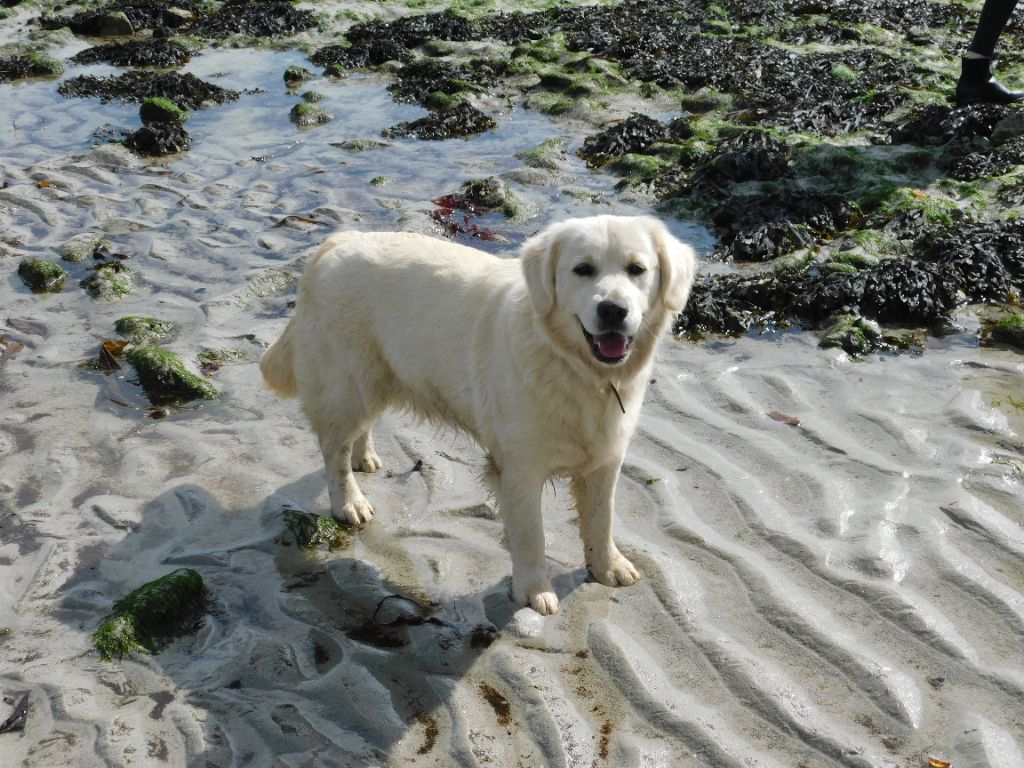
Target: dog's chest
[(589, 432)]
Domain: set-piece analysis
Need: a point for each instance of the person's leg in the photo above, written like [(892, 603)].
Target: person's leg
[(976, 84), (994, 16)]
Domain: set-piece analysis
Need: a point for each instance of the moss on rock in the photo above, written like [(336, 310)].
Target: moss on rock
[(164, 376), (152, 615), (41, 275)]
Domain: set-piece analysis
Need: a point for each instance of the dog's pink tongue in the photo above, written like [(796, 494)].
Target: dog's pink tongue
[(612, 344)]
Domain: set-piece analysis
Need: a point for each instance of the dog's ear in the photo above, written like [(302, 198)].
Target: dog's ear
[(677, 266), (539, 259)]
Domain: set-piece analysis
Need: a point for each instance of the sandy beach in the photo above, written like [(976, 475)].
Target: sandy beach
[(831, 547)]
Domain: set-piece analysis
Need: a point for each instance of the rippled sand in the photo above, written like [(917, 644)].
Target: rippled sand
[(833, 551)]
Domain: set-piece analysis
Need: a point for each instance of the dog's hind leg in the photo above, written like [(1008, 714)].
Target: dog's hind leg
[(595, 496), (364, 457)]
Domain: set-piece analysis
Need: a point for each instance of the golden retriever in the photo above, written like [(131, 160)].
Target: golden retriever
[(544, 360)]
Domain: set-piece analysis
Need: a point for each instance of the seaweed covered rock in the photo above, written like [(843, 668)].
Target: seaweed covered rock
[(142, 330), (42, 275), (462, 119), (748, 156), (1009, 330), (306, 115), (263, 18), (158, 111), (373, 43), (984, 260), (109, 281), (185, 90), (159, 139), (937, 124), (312, 531), (165, 377), (824, 214), (896, 291), (853, 334), (634, 134), (419, 80), (295, 74), (154, 52), (765, 242), (29, 65), (148, 618), (980, 164)]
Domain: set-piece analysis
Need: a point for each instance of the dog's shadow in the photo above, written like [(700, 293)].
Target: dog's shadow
[(309, 652)]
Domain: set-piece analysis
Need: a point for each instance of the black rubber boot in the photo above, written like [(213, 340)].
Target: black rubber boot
[(977, 86)]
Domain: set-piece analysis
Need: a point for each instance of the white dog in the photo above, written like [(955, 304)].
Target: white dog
[(544, 361)]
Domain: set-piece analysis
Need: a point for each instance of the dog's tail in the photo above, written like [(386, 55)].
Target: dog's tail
[(278, 366)]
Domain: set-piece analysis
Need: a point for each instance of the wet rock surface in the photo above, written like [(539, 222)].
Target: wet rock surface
[(159, 139)]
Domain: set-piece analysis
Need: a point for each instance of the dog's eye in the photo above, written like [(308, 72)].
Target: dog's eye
[(636, 269), (583, 270)]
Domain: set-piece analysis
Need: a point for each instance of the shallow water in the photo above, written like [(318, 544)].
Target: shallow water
[(846, 590)]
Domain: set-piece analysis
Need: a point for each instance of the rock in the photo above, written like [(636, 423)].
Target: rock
[(160, 110), (295, 74), (110, 281), (1009, 330), (81, 248), (115, 24), (148, 618), (142, 330), (177, 17), (159, 139), (306, 115), (30, 65), (463, 119), (1010, 127), (165, 378), (41, 275)]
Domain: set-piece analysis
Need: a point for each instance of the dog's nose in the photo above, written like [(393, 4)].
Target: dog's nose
[(610, 313)]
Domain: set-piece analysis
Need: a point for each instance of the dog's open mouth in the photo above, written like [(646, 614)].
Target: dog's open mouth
[(609, 348)]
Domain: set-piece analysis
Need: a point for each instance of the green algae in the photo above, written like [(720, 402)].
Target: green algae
[(853, 334), (110, 281), (160, 110)]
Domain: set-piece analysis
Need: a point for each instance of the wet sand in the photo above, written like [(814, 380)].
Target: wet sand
[(832, 550)]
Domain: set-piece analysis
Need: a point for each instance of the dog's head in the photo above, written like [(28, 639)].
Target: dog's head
[(605, 285)]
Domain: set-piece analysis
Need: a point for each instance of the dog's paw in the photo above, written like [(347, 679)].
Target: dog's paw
[(369, 462), (544, 603), (358, 511), (618, 573), (541, 598)]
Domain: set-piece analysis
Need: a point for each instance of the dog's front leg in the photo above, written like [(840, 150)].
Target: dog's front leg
[(519, 504), (595, 497)]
